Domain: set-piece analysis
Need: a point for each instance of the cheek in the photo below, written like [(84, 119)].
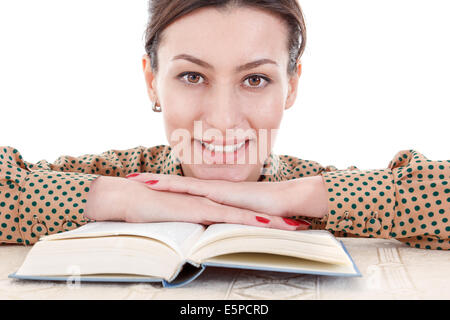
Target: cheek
[(176, 125), (178, 111), (266, 111), (265, 117)]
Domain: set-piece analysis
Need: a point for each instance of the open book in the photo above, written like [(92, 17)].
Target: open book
[(175, 253)]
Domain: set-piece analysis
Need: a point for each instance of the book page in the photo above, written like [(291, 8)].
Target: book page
[(178, 235), (260, 261), (220, 239), (223, 230)]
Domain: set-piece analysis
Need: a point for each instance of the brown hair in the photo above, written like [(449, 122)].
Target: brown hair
[(163, 12)]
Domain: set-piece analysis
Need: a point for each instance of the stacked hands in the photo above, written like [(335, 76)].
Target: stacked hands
[(149, 197)]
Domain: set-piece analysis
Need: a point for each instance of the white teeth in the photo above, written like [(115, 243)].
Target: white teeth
[(220, 148)]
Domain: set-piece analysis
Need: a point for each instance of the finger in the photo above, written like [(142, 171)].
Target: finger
[(172, 183), (144, 176), (189, 185), (256, 196), (228, 214)]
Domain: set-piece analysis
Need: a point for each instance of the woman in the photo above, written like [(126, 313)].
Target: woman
[(222, 73)]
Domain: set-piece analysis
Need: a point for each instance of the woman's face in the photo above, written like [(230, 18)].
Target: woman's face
[(208, 90)]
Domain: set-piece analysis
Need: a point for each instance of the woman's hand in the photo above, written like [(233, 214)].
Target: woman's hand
[(297, 197), (130, 200)]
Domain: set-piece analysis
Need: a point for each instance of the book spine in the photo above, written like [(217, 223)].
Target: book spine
[(188, 273)]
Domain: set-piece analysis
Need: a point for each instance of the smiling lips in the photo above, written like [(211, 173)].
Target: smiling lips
[(223, 154), (223, 148)]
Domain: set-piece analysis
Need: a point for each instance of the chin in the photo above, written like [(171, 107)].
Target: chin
[(234, 173)]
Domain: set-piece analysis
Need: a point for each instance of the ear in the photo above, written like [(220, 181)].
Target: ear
[(149, 77), (293, 86)]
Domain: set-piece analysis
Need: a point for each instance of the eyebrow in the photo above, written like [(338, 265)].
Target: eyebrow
[(206, 65)]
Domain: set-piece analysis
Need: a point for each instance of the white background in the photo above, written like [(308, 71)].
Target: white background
[(376, 80)]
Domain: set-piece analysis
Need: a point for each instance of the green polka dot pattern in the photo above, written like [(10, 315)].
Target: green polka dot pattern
[(408, 201)]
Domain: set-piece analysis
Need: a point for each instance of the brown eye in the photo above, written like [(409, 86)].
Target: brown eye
[(254, 81), (257, 82), (193, 77)]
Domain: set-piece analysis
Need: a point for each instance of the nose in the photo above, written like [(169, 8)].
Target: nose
[(222, 109)]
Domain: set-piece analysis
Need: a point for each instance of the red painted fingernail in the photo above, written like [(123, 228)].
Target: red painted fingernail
[(304, 222), (151, 181), (131, 175), (293, 222), (263, 220)]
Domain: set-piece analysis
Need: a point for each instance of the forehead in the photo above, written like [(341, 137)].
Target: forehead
[(224, 37)]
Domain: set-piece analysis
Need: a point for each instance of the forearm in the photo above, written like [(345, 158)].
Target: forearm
[(308, 197), (107, 200)]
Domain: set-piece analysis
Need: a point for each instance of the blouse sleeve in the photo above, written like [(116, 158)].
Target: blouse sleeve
[(408, 201), (44, 198)]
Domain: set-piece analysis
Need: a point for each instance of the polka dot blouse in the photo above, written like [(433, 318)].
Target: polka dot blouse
[(408, 201)]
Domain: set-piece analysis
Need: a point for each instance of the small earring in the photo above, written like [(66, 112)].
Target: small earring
[(155, 108)]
